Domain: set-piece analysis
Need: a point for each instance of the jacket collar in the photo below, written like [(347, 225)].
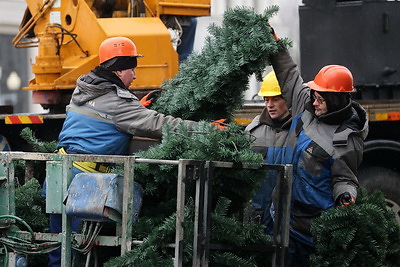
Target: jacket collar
[(265, 118)]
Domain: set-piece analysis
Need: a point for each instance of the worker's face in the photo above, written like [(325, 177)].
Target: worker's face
[(276, 107), (319, 104), (126, 76)]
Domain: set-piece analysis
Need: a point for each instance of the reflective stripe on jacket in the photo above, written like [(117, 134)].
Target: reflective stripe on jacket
[(102, 118)]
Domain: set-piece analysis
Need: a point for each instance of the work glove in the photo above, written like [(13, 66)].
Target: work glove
[(220, 124), (345, 199), (274, 33), (150, 98)]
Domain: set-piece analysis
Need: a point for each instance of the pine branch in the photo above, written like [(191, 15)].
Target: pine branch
[(364, 234), (37, 145), (155, 251), (210, 85), (30, 206)]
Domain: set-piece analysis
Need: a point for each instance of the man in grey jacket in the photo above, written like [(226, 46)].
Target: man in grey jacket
[(325, 146), (104, 114)]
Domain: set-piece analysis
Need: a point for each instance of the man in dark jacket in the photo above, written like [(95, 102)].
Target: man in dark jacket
[(270, 130), (325, 146)]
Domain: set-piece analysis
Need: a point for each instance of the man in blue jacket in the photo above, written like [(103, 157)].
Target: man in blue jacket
[(324, 144), (104, 114)]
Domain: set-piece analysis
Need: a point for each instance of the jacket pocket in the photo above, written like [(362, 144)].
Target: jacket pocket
[(314, 158)]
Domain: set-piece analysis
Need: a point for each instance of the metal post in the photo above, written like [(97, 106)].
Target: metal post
[(66, 234), (11, 186), (209, 171), (288, 178), (126, 225), (180, 206), (199, 206), (282, 215), (28, 170)]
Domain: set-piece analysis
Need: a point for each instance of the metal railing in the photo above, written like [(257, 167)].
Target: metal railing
[(199, 171)]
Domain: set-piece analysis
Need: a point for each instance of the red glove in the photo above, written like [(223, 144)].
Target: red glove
[(220, 124), (150, 98)]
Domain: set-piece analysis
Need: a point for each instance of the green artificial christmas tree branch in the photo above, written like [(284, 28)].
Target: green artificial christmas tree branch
[(210, 85), (364, 234)]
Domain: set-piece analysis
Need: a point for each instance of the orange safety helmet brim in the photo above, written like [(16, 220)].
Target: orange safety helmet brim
[(333, 78), (117, 47)]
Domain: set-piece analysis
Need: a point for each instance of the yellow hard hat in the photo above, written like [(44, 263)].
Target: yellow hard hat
[(270, 86)]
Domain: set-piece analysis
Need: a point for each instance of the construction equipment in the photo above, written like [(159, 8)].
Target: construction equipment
[(68, 34)]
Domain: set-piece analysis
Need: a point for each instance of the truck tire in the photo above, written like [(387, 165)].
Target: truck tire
[(383, 179)]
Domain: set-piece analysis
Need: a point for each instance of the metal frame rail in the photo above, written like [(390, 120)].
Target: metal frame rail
[(202, 173), (199, 171)]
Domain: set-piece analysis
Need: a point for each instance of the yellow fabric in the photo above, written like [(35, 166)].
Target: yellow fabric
[(87, 166)]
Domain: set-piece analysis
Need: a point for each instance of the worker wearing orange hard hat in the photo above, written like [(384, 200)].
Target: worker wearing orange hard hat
[(104, 114), (324, 144), (270, 129)]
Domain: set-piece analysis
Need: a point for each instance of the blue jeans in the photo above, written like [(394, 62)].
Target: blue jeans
[(186, 46)]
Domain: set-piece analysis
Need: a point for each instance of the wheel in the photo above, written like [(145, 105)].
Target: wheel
[(385, 180)]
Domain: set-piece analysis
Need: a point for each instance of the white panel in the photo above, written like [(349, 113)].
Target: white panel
[(11, 13), (218, 7)]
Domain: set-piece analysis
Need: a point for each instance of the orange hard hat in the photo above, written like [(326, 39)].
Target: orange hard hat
[(333, 78), (117, 47)]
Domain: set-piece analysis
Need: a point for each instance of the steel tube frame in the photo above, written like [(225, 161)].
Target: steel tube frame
[(199, 171)]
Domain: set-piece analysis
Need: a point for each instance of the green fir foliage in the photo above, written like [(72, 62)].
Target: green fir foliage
[(232, 188), (30, 205), (155, 251), (37, 145), (204, 143), (364, 234), (210, 85)]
